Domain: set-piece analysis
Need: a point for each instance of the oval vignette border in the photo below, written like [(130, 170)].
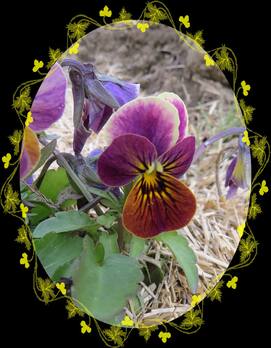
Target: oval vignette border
[(222, 57)]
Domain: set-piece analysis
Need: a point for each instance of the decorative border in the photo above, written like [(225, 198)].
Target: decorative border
[(222, 57)]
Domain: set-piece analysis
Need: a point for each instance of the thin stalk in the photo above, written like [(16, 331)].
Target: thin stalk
[(63, 163)]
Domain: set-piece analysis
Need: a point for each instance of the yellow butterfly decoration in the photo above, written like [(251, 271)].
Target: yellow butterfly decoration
[(245, 88), (74, 48), (232, 283), (143, 27), (195, 300), (245, 138), (208, 60), (29, 119), (24, 260), (105, 12), (37, 65), (240, 229), (24, 210), (164, 336), (185, 21), (6, 159), (85, 327), (127, 321), (61, 288), (264, 189)]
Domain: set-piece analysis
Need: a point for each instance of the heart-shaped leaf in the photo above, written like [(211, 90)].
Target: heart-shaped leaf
[(184, 255), (53, 183), (110, 243), (137, 246), (65, 221), (55, 250), (103, 290)]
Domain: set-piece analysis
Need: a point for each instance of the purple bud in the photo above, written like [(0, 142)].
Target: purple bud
[(238, 174)]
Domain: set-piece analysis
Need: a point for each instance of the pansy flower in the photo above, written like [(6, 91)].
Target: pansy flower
[(238, 174), (147, 146)]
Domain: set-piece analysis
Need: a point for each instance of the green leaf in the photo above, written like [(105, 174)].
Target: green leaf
[(110, 243), (65, 221), (137, 246), (56, 250), (45, 153), (106, 220), (99, 253), (53, 183), (103, 291), (39, 213), (184, 255)]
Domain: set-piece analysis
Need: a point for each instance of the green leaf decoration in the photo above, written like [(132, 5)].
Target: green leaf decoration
[(216, 292), (53, 183), (223, 59), (65, 221), (110, 243), (146, 332), (23, 237), (155, 14), (254, 208), (77, 30), (23, 101), (184, 255), (192, 319), (15, 140), (55, 250), (246, 248), (11, 199), (73, 310), (258, 149), (137, 246), (247, 111), (103, 291), (54, 55)]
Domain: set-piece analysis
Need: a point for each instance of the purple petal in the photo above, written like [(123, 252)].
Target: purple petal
[(82, 132), (98, 115), (232, 190), (123, 92), (151, 117), (49, 103), (94, 153), (93, 118), (230, 171), (24, 164), (78, 95), (180, 106), (177, 160), (128, 156)]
